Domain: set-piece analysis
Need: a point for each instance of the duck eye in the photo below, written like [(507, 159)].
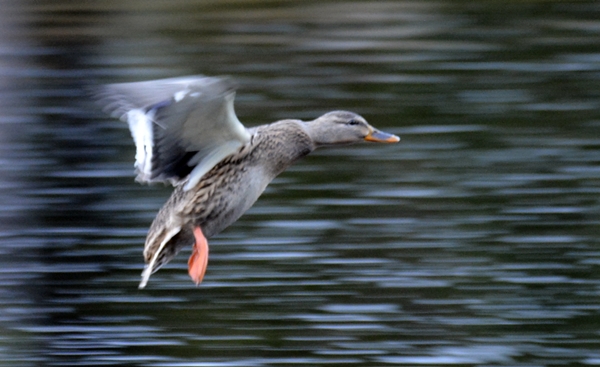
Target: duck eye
[(353, 122)]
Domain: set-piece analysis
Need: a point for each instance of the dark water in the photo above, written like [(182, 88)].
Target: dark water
[(473, 242)]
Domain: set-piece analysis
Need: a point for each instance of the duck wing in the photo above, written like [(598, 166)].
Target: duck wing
[(181, 126)]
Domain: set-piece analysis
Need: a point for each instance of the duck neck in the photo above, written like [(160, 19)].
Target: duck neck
[(284, 142)]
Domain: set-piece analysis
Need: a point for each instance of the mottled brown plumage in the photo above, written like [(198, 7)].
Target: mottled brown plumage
[(215, 183), (221, 196)]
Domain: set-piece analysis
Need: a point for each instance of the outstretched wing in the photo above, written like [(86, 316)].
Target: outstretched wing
[(180, 126)]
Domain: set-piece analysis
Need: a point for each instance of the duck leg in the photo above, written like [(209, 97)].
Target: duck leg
[(199, 258)]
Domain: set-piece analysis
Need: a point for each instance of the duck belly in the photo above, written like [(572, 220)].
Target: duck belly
[(232, 201)]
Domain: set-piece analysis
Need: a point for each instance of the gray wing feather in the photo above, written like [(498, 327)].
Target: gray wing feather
[(181, 126), (119, 99)]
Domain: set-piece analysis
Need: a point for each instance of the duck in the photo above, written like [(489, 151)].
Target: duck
[(187, 134)]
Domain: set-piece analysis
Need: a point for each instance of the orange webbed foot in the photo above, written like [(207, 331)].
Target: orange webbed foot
[(199, 259)]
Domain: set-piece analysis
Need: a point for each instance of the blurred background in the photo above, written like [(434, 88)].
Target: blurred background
[(472, 242)]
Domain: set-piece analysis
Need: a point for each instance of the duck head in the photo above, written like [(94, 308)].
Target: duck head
[(343, 127)]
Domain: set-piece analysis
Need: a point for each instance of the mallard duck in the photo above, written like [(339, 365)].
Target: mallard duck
[(187, 134)]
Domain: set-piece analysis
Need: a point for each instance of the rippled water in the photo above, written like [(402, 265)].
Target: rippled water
[(474, 241)]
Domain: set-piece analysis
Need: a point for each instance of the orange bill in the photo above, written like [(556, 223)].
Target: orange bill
[(377, 136)]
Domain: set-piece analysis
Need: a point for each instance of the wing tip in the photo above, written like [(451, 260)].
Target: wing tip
[(145, 277)]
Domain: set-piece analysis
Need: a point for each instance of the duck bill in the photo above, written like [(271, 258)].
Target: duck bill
[(377, 136)]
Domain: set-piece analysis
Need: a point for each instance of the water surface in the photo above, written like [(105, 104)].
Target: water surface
[(473, 242)]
